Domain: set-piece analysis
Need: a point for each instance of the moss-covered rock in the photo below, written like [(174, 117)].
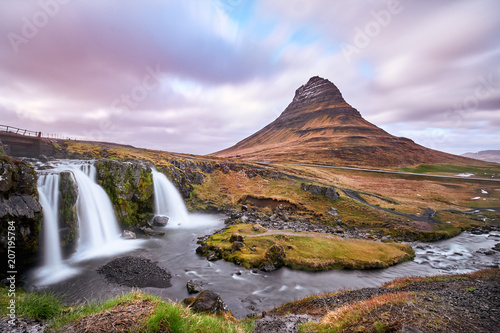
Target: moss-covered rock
[(20, 212), (129, 185), (68, 219)]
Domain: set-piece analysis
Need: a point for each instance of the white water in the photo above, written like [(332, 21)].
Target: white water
[(99, 234), (168, 201), (53, 269)]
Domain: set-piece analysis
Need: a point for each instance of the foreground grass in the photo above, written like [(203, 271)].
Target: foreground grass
[(132, 312), (307, 251)]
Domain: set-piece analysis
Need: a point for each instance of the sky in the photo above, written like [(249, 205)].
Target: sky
[(197, 76)]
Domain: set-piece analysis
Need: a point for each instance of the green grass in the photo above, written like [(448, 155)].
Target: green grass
[(165, 317), (488, 172), (308, 251)]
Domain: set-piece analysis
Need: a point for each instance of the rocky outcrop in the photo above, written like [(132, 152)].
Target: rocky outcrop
[(129, 185), (68, 219), (19, 210), (207, 302), (328, 192)]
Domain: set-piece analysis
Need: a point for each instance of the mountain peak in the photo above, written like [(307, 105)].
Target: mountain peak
[(318, 89), (319, 126)]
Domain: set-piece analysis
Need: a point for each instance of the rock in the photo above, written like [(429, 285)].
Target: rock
[(43, 158), (213, 256), (275, 256), (237, 246), (267, 267), (332, 211), (194, 286), (331, 194), (244, 208), (496, 247), (409, 329), (135, 272), (160, 221), (151, 232), (278, 324), (206, 302), (236, 237), (127, 234), (256, 227)]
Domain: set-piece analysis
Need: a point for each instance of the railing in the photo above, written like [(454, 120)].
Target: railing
[(25, 132)]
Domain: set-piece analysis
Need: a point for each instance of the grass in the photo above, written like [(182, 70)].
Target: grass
[(491, 171), (356, 313), (308, 251), (132, 312)]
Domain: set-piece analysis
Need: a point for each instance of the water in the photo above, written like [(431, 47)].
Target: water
[(99, 234), (245, 291), (168, 201)]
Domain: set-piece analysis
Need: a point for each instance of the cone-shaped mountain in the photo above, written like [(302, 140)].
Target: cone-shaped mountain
[(319, 126)]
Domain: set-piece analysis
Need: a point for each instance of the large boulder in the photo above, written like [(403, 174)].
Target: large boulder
[(160, 221), (207, 302), (328, 192)]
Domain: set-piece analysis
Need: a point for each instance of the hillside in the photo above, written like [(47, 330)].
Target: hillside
[(485, 155), (319, 126)]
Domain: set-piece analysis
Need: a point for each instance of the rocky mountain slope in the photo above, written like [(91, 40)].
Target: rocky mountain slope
[(485, 155), (319, 126)]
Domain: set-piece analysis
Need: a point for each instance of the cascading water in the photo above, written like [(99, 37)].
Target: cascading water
[(53, 268), (168, 201), (96, 219), (99, 234)]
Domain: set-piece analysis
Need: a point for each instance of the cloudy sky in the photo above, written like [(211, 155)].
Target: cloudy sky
[(197, 76)]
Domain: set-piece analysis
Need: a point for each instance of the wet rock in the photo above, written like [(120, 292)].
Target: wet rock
[(151, 232), (160, 221), (127, 234), (206, 302), (194, 286), (267, 267), (496, 247), (274, 257), (22, 325), (135, 272), (487, 252), (213, 256)]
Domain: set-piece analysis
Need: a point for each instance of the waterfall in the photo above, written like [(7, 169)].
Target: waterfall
[(168, 201), (99, 234), (53, 269), (48, 189), (96, 218)]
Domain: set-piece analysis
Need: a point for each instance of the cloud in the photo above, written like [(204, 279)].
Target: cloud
[(197, 76)]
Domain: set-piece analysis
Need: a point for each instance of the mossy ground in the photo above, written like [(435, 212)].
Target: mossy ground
[(307, 251), (132, 312)]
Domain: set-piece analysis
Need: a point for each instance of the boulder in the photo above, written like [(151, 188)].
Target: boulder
[(160, 221), (331, 194), (194, 286), (206, 302), (236, 237), (127, 234), (275, 258), (151, 232), (237, 246)]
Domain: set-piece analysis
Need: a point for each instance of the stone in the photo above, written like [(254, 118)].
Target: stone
[(236, 237), (127, 234), (331, 194), (267, 267), (207, 302), (332, 211), (194, 286), (276, 255), (151, 232), (160, 221), (237, 246)]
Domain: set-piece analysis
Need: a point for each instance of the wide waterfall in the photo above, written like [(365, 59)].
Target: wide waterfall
[(168, 201), (99, 234)]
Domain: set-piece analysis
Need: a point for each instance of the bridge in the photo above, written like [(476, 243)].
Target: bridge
[(23, 142)]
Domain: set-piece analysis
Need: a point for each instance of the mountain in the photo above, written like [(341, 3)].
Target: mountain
[(319, 126), (485, 155)]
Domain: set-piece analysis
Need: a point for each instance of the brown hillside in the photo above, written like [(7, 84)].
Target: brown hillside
[(319, 126)]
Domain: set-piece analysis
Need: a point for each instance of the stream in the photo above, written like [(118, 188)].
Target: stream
[(246, 291)]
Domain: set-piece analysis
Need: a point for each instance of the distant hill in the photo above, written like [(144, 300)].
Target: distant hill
[(319, 126), (485, 155)]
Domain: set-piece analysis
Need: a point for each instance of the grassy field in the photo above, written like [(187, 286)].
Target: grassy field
[(307, 251)]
